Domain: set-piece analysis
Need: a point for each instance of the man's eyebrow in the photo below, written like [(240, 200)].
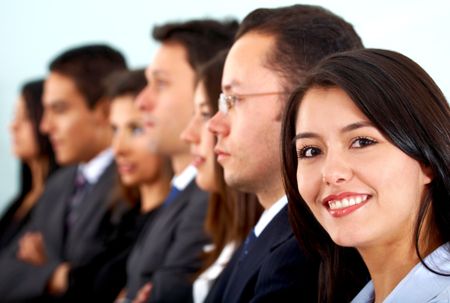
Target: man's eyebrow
[(158, 73), (56, 103), (229, 87)]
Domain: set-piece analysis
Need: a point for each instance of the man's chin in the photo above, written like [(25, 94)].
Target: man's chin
[(64, 159)]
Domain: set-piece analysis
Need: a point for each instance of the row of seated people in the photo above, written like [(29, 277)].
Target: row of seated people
[(167, 195)]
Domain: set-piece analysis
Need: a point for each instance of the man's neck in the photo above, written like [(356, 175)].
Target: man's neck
[(270, 195), (180, 162)]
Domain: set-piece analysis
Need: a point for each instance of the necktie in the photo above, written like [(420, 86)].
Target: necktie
[(247, 244), (80, 188), (171, 196)]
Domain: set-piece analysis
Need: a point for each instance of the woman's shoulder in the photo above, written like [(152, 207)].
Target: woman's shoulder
[(442, 297)]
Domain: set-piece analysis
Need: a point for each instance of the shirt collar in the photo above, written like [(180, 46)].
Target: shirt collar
[(184, 178), (93, 169), (419, 284), (269, 214)]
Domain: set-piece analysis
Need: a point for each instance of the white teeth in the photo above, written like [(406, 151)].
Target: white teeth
[(346, 202)]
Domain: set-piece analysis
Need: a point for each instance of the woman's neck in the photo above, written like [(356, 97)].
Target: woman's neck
[(154, 193), (39, 172), (389, 264)]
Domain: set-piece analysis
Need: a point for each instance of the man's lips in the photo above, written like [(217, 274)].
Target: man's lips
[(221, 155), (55, 143), (125, 168), (149, 121), (149, 124), (197, 160)]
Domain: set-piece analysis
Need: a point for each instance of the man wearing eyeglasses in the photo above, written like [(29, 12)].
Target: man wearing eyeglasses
[(272, 51)]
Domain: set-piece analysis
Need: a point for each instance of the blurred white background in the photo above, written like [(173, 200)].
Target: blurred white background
[(33, 32)]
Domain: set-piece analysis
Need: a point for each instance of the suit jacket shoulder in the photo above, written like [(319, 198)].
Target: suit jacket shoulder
[(275, 270), (169, 252)]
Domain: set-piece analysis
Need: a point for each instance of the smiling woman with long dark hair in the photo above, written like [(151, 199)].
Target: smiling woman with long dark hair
[(366, 158)]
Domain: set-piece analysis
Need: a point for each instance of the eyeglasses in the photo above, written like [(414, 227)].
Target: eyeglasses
[(226, 102)]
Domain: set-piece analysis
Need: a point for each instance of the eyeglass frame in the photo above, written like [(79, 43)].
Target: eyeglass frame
[(227, 101)]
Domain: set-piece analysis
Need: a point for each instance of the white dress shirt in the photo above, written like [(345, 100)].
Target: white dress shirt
[(184, 178), (420, 285), (93, 169), (204, 282), (269, 214)]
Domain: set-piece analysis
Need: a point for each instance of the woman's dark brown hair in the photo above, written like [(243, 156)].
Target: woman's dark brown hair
[(231, 214), (19, 211), (32, 95), (405, 104)]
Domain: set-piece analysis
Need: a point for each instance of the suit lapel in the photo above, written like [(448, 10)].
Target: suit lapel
[(51, 211), (92, 209), (160, 227), (276, 233)]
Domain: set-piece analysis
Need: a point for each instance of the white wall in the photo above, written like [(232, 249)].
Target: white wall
[(33, 32)]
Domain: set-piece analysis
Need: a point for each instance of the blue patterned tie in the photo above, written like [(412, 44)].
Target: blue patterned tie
[(81, 186), (247, 244), (171, 196)]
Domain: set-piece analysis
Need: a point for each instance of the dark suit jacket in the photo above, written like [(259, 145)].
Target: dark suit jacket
[(20, 281), (275, 270), (9, 226), (104, 276), (169, 251)]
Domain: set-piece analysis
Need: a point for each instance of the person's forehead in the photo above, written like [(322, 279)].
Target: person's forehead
[(251, 48), (247, 62), (61, 88), (169, 58)]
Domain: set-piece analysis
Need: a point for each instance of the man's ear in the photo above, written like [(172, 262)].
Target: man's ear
[(101, 109)]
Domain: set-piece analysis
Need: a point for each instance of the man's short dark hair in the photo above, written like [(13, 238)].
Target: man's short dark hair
[(88, 66), (125, 83), (202, 39), (304, 34)]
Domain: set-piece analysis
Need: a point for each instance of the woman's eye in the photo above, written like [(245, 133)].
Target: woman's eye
[(137, 130), (308, 152), (160, 84), (362, 142), (205, 115)]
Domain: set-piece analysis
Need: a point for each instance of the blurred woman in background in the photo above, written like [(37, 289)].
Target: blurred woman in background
[(144, 176), (144, 182), (37, 160)]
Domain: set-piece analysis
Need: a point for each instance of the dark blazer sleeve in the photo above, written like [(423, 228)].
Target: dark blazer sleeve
[(20, 280), (11, 227), (104, 277), (86, 240), (172, 281)]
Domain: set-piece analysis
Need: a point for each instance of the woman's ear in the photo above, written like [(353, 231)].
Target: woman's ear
[(428, 174)]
